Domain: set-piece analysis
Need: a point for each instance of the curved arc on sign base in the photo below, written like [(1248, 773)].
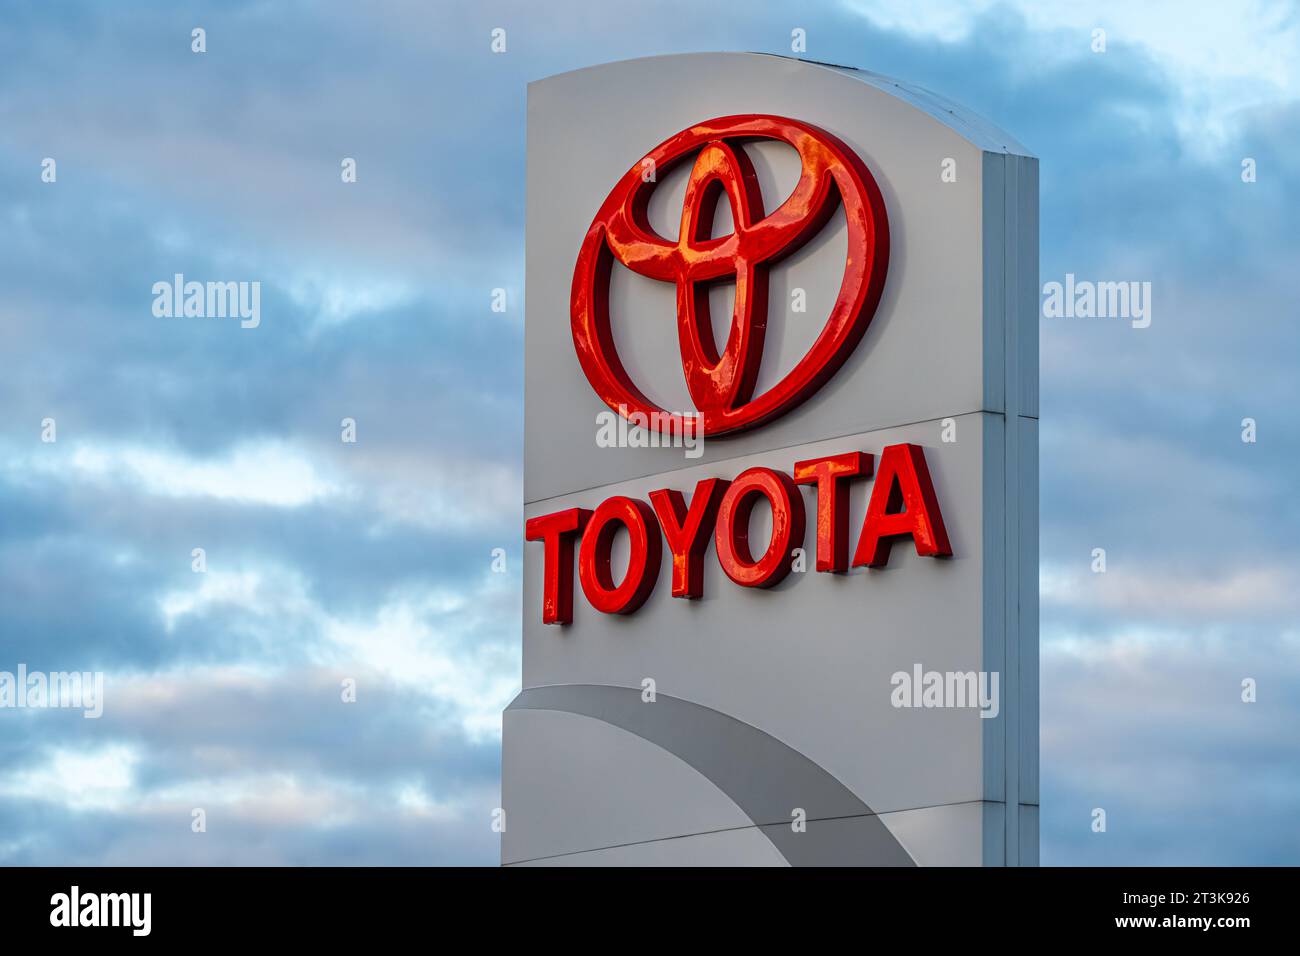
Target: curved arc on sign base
[(765, 778)]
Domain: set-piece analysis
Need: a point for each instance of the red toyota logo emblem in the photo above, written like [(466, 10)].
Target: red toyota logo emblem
[(721, 382)]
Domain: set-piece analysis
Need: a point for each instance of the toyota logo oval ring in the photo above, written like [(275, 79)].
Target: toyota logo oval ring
[(721, 382)]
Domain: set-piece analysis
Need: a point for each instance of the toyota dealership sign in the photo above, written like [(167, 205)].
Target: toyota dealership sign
[(787, 613)]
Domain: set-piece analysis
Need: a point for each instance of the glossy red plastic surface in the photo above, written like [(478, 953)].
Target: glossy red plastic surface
[(557, 531), (721, 380), (687, 531), (594, 566), (902, 504), (731, 535), (831, 475)]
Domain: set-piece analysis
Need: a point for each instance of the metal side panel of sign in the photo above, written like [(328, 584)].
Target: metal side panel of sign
[(780, 474)]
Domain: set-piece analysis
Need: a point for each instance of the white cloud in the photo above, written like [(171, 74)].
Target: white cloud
[(417, 485), (263, 472), (430, 643), (105, 780), (273, 594), (80, 779), (334, 301), (418, 643), (1153, 589)]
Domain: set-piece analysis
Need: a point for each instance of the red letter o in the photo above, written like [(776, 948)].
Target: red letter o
[(731, 536), (594, 570)]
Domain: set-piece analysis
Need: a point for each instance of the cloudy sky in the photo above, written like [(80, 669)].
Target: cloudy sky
[(373, 561)]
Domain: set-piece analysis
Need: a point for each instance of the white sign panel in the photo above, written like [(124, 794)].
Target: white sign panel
[(780, 589)]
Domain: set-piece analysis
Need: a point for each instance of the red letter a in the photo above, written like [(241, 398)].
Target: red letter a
[(902, 503)]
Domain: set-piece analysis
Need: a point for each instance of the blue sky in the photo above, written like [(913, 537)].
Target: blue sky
[(373, 561)]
